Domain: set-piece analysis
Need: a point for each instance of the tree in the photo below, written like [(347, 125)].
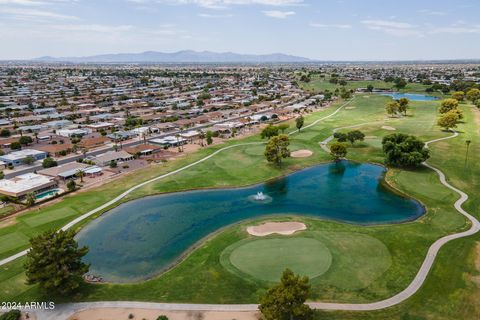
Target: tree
[(2, 175), (71, 185), (400, 83), (458, 95), (11, 315), (113, 164), (49, 162), (80, 174), (340, 136), (370, 88), (355, 135), (29, 160), (5, 133), (403, 105), (392, 108), (162, 317), (15, 145), (286, 300), (277, 149), (448, 120), (473, 95), (282, 127), (209, 137), (299, 122), (403, 150), (54, 262), (25, 140), (448, 105), (269, 131), (338, 150), (30, 199)]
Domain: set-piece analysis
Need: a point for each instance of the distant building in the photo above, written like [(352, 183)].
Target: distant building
[(118, 156), (18, 157), (22, 185), (73, 132)]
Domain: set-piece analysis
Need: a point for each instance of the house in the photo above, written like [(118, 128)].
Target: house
[(143, 149), (93, 142), (58, 124), (19, 157), (69, 170), (169, 141), (73, 132), (100, 126), (26, 183), (57, 150), (118, 156)]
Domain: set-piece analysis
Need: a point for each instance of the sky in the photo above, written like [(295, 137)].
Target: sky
[(320, 29)]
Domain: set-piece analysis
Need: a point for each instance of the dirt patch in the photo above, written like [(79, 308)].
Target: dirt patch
[(301, 154), (283, 228), (388, 128), (124, 313), (350, 108)]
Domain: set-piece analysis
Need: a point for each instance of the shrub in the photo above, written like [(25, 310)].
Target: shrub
[(11, 315)]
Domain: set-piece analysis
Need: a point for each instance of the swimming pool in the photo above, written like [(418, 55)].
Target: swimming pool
[(47, 194)]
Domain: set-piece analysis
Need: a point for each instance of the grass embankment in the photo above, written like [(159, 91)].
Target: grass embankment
[(450, 291)]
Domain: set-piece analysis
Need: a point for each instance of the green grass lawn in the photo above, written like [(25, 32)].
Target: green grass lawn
[(319, 84), (6, 210), (265, 259), (451, 289)]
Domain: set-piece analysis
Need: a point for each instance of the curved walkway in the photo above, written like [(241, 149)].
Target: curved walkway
[(124, 194), (422, 273), (63, 311)]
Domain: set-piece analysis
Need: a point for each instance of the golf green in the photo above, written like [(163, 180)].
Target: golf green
[(266, 259)]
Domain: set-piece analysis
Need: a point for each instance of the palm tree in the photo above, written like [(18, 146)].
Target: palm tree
[(80, 174), (201, 136), (180, 148), (36, 136), (30, 199)]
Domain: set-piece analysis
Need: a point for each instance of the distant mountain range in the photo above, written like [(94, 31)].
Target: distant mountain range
[(184, 56)]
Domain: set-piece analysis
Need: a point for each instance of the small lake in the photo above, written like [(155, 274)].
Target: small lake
[(410, 96), (141, 238)]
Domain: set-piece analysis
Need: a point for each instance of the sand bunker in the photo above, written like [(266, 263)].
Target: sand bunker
[(389, 128), (151, 314), (301, 154), (283, 228)]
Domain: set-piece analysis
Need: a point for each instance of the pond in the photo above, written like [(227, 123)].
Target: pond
[(142, 238), (410, 96)]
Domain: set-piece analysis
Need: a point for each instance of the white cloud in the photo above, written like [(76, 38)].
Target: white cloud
[(19, 13), (432, 12), (330, 26), (214, 16), (457, 30), (278, 14), (222, 4), (394, 28), (92, 28)]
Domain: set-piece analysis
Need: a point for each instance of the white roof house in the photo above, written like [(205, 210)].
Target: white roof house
[(25, 183), (73, 132), (17, 157)]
